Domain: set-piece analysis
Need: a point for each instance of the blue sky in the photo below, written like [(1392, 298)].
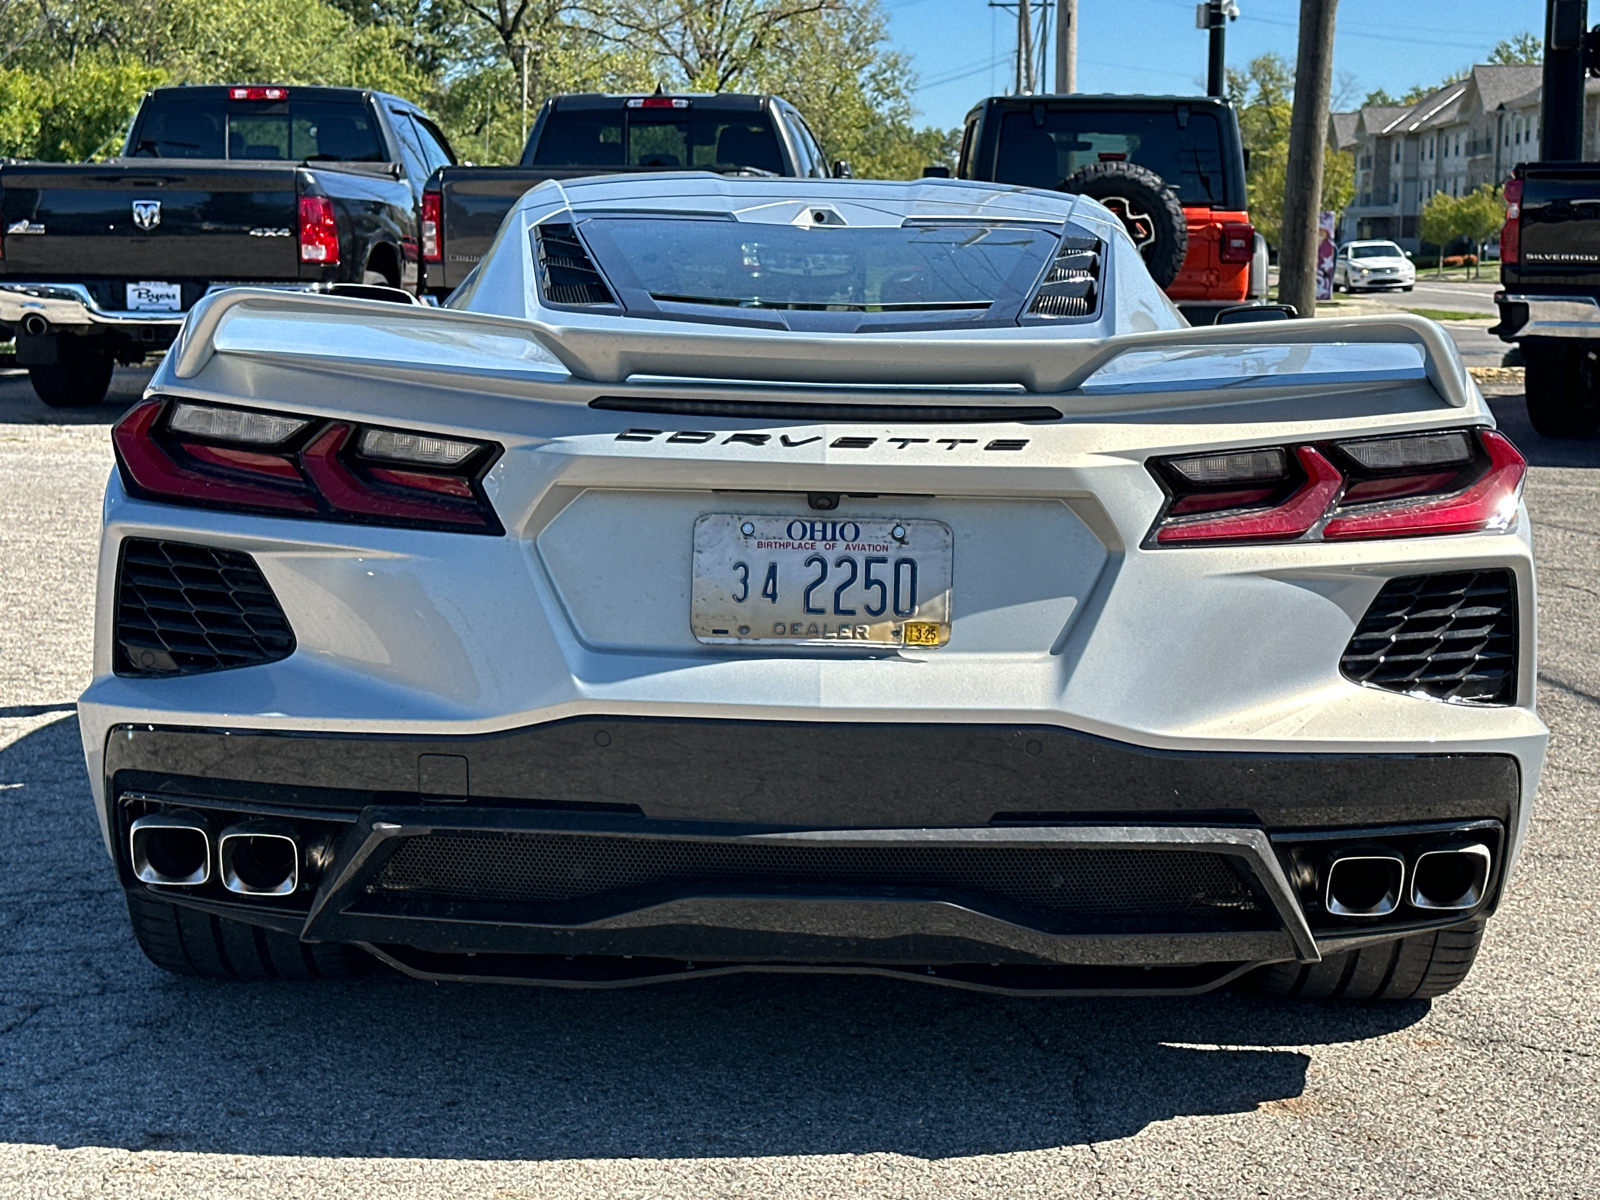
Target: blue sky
[(962, 49)]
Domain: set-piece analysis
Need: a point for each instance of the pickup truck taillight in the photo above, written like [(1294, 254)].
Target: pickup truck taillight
[(319, 233), (1238, 243), (296, 466), (1511, 231), (1412, 485), (432, 227)]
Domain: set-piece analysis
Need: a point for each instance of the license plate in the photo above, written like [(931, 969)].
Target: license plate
[(155, 297), (821, 580)]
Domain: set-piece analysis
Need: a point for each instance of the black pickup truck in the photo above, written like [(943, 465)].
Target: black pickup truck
[(304, 187), (1550, 292), (601, 134)]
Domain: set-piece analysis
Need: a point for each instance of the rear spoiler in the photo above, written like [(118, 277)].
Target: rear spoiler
[(604, 350)]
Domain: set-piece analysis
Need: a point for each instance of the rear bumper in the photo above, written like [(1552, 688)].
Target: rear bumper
[(605, 852), (71, 304), (1525, 316)]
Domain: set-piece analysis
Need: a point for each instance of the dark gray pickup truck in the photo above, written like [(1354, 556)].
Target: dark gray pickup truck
[(1550, 291), (600, 134), (302, 187)]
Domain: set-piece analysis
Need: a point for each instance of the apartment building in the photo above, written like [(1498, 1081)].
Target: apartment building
[(1464, 134)]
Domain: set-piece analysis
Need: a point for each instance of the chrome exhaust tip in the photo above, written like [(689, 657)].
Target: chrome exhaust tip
[(34, 325), (1364, 885), (171, 849), (1451, 880), (259, 858)]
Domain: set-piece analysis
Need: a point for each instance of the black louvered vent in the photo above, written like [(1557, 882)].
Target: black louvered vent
[(1450, 637), (185, 609), (566, 271), (1072, 286)]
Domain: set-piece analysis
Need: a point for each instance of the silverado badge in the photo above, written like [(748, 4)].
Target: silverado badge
[(147, 213)]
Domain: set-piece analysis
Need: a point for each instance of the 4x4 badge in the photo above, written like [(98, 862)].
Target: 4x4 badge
[(147, 213)]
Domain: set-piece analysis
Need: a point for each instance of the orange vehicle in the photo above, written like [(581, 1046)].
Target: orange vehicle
[(1172, 167)]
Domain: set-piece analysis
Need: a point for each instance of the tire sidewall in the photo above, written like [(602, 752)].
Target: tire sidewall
[(1127, 187)]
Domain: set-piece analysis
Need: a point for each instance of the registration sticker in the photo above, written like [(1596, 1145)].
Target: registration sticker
[(921, 633), (155, 296)]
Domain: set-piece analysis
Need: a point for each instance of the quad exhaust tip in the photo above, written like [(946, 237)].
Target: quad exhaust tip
[(171, 849), (259, 858), (1451, 880), (1365, 885)]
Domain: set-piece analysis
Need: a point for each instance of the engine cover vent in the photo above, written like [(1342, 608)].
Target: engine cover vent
[(1448, 637), (1071, 287), (567, 274)]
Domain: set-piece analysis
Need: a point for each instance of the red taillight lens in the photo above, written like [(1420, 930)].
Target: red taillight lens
[(1511, 231), (230, 458), (258, 93), (659, 102), (1238, 242), (1489, 502), (432, 227), (319, 232), (1288, 518), (1410, 485)]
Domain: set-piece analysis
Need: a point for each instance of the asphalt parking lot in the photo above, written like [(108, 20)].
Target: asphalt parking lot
[(117, 1080)]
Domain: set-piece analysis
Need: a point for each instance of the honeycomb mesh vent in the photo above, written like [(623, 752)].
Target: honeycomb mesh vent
[(1450, 637), (565, 268), (184, 609), (1070, 287), (558, 868)]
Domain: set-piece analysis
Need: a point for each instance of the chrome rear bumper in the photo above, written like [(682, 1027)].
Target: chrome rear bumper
[(1546, 316), (69, 304)]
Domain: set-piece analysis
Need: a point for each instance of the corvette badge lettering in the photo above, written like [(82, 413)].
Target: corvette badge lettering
[(700, 437)]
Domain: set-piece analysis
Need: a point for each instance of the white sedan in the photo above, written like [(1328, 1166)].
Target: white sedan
[(1370, 266), (813, 575)]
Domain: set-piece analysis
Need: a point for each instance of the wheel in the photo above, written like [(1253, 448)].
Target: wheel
[(187, 942), (1418, 967), (78, 382), (1147, 207), (1562, 386)]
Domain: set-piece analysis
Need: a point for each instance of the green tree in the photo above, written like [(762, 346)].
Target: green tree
[(1523, 49), (1264, 97), (1480, 214)]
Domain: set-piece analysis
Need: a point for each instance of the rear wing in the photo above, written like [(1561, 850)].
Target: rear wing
[(1343, 351)]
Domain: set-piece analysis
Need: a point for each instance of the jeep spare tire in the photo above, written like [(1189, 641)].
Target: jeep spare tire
[(1149, 210)]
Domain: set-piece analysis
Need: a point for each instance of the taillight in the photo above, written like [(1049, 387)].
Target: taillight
[(432, 227), (1238, 242), (1411, 485), (658, 102), (286, 465), (258, 93), (1511, 231), (319, 232)]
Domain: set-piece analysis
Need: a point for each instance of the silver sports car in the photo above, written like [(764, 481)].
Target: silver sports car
[(808, 575)]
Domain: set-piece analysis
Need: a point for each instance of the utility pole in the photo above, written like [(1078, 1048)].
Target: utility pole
[(1308, 138), (1213, 16), (1024, 49), (524, 93), (1561, 101), (1066, 46)]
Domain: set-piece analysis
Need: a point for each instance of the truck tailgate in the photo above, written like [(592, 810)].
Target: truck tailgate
[(147, 219), (1560, 227)]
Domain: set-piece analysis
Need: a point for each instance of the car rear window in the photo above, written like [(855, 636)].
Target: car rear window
[(1187, 155), (828, 268), (695, 140), (286, 131)]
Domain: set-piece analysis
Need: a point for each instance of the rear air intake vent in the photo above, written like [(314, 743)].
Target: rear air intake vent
[(566, 272), (185, 609), (1448, 637), (1071, 289)]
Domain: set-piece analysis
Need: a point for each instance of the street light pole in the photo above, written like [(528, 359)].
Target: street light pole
[(1213, 16)]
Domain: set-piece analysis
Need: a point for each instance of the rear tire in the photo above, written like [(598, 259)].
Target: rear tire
[(1418, 967), (185, 941), (1562, 387), (1148, 208), (77, 382)]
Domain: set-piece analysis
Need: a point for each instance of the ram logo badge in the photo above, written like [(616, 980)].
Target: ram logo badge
[(147, 213)]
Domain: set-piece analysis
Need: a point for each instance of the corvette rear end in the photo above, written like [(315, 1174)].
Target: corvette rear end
[(813, 576)]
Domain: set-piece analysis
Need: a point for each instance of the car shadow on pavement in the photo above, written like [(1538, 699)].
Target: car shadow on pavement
[(98, 1048), (19, 405)]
